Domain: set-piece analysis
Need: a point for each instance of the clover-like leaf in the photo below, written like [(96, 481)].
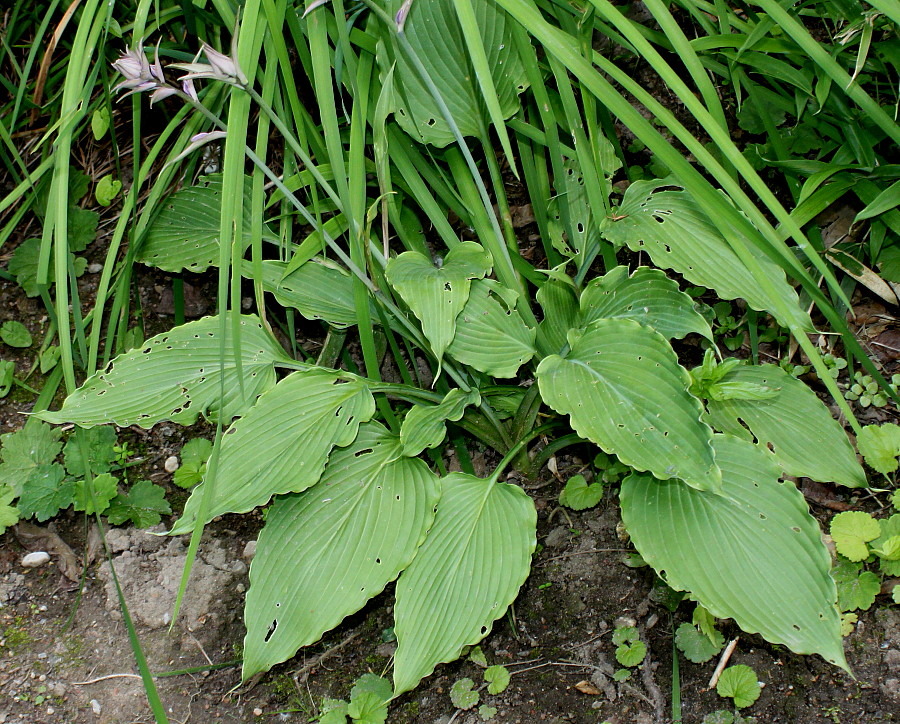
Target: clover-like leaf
[(333, 711), (98, 442), (578, 495), (105, 489), (487, 712), (194, 455), (856, 588), (46, 492), (631, 654), (107, 190), (739, 683), (143, 505), (695, 644), (880, 446), (851, 530), (497, 677), (15, 334), (462, 694), (369, 698)]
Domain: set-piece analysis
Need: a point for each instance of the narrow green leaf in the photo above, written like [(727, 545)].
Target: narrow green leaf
[(804, 437), (623, 388), (176, 376), (754, 542), (323, 553), (282, 444), (464, 576)]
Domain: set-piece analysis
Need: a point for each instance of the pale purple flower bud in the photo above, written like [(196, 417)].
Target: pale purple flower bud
[(402, 13), (156, 69), (133, 65), (160, 93), (188, 87)]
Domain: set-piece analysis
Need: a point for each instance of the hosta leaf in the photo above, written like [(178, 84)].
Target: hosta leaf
[(176, 376), (851, 530), (319, 289), (434, 33), (185, 234), (804, 437), (753, 553), (436, 295), (323, 553), (674, 231), (464, 575), (423, 427), (490, 334), (560, 305), (648, 296), (623, 388), (581, 217), (282, 444)]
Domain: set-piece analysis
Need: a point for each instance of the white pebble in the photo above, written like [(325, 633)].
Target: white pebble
[(171, 464), (33, 560), (95, 706), (249, 550), (95, 268)]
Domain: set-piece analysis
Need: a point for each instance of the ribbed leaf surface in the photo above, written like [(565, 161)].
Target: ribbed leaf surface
[(753, 553), (282, 444), (176, 376), (648, 296), (464, 576), (436, 295), (185, 234), (424, 425), (560, 306), (323, 553), (672, 229), (434, 33), (490, 334), (795, 424), (623, 388), (319, 289)]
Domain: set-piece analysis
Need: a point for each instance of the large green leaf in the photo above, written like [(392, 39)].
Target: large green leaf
[(176, 376), (282, 443), (185, 234), (753, 553), (319, 289), (560, 305), (437, 295), (794, 424), (670, 226), (490, 334), (648, 296), (324, 552), (424, 425), (464, 576), (623, 388), (434, 33)]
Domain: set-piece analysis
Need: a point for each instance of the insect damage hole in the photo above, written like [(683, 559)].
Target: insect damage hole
[(271, 631)]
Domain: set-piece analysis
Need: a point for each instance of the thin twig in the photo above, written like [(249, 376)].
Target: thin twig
[(104, 678), (726, 655)]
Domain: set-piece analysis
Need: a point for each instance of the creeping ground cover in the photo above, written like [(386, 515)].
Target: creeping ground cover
[(398, 351)]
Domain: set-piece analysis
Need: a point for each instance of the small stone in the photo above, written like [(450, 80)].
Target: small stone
[(171, 464), (33, 560), (95, 707), (51, 710), (249, 550), (95, 268), (257, 712)]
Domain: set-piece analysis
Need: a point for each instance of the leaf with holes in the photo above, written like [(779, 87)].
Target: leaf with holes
[(176, 376), (806, 440), (436, 295), (573, 200), (647, 296), (756, 541), (323, 553), (282, 444), (670, 226), (490, 334), (623, 388), (320, 289), (464, 576), (424, 425), (435, 35), (185, 233)]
